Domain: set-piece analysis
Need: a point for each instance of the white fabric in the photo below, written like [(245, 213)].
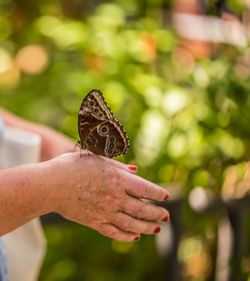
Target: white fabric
[(3, 265), (25, 247)]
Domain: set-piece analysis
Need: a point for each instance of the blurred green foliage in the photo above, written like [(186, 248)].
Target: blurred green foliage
[(78, 253), (186, 122)]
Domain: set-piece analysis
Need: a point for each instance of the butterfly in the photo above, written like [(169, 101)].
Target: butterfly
[(98, 129)]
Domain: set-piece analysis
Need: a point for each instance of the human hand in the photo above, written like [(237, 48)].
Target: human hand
[(103, 194)]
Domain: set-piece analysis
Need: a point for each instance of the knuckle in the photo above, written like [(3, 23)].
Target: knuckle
[(116, 182), (114, 233), (132, 207), (146, 193), (164, 212), (160, 212), (143, 226), (136, 208), (110, 231), (144, 211), (103, 231), (114, 175), (108, 198), (128, 238), (124, 238), (141, 212), (149, 228), (125, 224)]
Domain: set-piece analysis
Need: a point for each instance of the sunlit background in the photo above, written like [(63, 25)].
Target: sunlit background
[(176, 74)]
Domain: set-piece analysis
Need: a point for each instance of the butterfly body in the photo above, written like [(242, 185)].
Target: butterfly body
[(99, 131)]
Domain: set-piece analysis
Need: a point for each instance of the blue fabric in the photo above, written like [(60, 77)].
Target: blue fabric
[(3, 266)]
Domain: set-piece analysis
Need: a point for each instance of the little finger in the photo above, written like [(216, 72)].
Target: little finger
[(114, 232), (131, 224)]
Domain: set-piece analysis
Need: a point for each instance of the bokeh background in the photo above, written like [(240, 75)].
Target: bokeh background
[(176, 75)]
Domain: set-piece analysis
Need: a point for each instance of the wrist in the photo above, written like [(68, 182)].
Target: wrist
[(57, 173), (51, 186), (39, 188), (69, 178)]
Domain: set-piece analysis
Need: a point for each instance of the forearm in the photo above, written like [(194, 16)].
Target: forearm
[(17, 122), (53, 143), (24, 195)]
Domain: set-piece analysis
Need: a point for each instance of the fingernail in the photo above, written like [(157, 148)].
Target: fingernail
[(166, 197), (157, 230), (132, 167), (166, 219), (137, 238)]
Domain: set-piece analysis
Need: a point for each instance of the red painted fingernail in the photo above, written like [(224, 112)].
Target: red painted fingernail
[(137, 238), (166, 219), (157, 230), (132, 167), (166, 197)]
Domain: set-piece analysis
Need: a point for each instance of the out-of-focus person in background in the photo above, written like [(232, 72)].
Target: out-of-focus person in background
[(200, 33)]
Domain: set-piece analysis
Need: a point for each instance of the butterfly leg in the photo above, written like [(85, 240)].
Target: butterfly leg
[(93, 139), (89, 140), (77, 145)]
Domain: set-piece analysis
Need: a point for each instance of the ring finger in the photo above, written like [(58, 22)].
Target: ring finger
[(144, 210), (131, 224)]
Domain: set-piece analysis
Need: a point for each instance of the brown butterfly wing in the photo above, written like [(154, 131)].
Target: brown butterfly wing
[(108, 139), (93, 110), (86, 123), (98, 130), (120, 141), (96, 104)]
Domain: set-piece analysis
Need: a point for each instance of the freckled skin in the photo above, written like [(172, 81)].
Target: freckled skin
[(94, 191), (117, 211), (21, 198)]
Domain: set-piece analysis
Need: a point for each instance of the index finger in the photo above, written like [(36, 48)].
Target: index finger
[(120, 165), (141, 188)]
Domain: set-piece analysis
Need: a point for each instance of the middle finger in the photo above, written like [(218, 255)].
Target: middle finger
[(144, 210)]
